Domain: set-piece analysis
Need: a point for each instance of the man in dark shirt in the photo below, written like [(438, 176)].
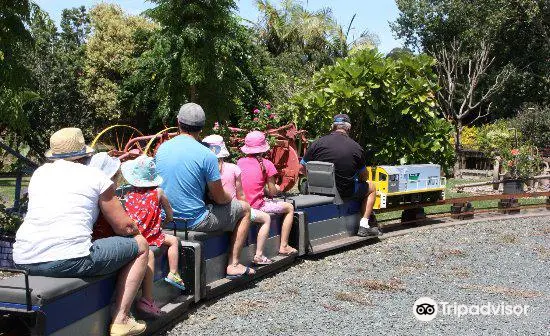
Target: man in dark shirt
[(349, 168)]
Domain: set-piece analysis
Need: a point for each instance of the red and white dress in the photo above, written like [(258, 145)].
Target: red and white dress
[(143, 206)]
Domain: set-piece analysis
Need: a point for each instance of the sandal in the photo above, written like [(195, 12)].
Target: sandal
[(149, 308), (175, 280), (246, 272), (292, 252), (262, 260)]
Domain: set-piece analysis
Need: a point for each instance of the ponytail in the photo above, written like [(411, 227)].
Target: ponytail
[(262, 166)]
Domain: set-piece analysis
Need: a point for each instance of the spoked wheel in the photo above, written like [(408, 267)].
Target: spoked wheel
[(121, 141), (155, 141)]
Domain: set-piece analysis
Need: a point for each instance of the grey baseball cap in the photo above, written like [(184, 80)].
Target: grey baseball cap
[(191, 114)]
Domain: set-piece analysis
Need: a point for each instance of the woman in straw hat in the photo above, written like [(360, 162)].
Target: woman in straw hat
[(65, 198)]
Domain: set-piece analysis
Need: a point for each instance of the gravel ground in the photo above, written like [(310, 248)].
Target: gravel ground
[(371, 290)]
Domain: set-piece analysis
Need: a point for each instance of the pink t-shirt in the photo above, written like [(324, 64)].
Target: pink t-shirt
[(230, 173), (253, 179)]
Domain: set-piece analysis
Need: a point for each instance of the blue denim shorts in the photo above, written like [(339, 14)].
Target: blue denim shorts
[(107, 255)]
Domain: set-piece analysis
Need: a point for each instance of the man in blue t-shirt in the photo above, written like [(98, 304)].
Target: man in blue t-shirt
[(187, 168)]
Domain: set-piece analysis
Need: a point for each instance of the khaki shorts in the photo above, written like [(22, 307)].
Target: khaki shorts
[(222, 217)]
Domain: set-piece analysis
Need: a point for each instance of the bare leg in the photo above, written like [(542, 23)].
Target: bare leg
[(237, 241), (368, 201), (285, 229), (147, 285), (173, 253), (263, 233), (129, 281)]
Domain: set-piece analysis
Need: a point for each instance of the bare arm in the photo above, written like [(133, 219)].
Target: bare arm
[(165, 205), (272, 188), (218, 194), (239, 188), (364, 176), (115, 215)]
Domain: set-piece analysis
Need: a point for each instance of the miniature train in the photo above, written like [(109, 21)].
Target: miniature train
[(323, 222), (407, 184)]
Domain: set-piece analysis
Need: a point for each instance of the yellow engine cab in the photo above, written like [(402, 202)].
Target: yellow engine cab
[(407, 184)]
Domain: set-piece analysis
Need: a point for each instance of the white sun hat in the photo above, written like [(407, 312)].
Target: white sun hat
[(217, 145), (107, 164)]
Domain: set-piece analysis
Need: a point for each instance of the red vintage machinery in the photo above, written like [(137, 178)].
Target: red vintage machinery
[(127, 143)]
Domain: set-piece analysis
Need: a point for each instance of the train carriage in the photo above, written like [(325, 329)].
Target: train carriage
[(323, 222)]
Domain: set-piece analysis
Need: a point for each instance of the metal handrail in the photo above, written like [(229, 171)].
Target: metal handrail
[(28, 290)]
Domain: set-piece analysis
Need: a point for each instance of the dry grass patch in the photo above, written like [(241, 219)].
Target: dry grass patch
[(330, 307), (353, 297), (509, 239), (542, 232), (512, 292), (542, 252), (246, 306), (459, 272), (393, 285)]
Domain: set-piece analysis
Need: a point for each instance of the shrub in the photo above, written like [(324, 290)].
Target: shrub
[(534, 124), (494, 138), (391, 104), (468, 138)]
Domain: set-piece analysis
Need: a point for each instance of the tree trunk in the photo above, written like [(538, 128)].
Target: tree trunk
[(458, 150), (193, 93)]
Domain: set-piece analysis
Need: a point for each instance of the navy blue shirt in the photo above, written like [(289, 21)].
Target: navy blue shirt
[(347, 155)]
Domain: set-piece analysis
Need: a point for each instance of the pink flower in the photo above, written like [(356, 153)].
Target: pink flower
[(510, 163), (272, 116), (514, 151), (216, 125), (268, 106), (256, 111), (256, 119)]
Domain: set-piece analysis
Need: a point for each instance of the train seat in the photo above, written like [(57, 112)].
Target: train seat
[(323, 220), (214, 248), (307, 201), (72, 305)]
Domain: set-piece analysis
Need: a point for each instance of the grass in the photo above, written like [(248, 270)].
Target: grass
[(7, 189), (451, 193), (392, 285)]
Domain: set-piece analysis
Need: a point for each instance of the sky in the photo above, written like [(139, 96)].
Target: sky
[(373, 15)]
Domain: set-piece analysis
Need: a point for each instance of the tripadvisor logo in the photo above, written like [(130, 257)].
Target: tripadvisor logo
[(426, 309)]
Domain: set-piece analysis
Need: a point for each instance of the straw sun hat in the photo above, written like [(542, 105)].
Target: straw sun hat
[(68, 144)]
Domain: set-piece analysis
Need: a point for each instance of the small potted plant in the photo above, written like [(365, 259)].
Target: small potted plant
[(519, 164)]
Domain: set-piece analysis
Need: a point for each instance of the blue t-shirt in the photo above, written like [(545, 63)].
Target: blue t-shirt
[(186, 166)]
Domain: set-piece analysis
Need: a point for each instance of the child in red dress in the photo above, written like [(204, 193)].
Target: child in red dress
[(144, 203)]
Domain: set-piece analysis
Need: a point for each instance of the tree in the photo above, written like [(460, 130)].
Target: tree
[(56, 63), (460, 95), (299, 42), (14, 75), (517, 30), (201, 53), (109, 52), (391, 103)]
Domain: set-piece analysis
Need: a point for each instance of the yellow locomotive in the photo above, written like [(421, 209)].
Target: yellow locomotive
[(407, 184)]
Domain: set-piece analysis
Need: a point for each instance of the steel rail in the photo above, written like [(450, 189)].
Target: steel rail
[(466, 200)]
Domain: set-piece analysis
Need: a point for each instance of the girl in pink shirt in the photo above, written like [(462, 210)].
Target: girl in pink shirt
[(258, 173), (231, 182)]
